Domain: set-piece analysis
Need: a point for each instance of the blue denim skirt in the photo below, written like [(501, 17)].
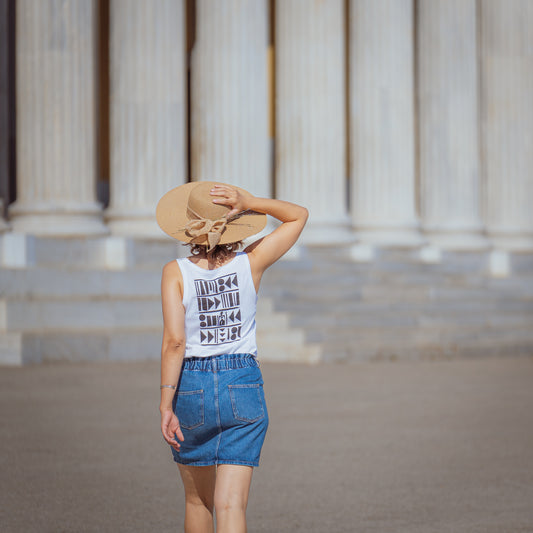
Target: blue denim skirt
[(220, 404)]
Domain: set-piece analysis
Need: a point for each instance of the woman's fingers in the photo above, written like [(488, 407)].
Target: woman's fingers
[(174, 427), (222, 188), (223, 201), (224, 196), (170, 440), (179, 434), (233, 212), (167, 434), (169, 426), (219, 190), (227, 196)]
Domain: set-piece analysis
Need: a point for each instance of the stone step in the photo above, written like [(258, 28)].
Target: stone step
[(317, 323), (379, 286), (356, 308), (429, 351), (517, 341), (289, 346), (45, 329), (105, 313), (102, 252), (395, 339), (88, 252), (398, 260), (321, 284), (45, 282), (521, 263), (48, 282), (298, 308), (18, 348)]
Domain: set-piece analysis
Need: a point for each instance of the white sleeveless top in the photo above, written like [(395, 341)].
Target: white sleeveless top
[(220, 306)]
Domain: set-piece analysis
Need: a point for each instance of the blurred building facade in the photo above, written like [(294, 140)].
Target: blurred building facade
[(398, 123)]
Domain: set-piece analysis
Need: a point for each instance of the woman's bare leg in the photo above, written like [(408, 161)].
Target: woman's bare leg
[(199, 483), (231, 497)]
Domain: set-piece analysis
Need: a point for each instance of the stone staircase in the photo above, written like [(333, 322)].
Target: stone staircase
[(98, 298), (94, 299), (399, 307)]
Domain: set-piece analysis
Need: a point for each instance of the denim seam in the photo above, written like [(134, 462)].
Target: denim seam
[(220, 362), (217, 409), (217, 462)]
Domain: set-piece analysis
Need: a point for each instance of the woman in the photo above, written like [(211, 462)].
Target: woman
[(213, 412)]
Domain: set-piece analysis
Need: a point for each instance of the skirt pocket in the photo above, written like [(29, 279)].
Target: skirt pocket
[(247, 402), (190, 408)]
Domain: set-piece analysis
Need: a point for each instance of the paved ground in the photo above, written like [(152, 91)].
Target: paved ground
[(378, 447)]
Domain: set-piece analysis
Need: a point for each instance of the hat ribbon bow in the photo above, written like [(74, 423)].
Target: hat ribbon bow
[(213, 229)]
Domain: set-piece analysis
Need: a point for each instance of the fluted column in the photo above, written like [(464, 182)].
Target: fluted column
[(449, 125), (310, 114), (148, 110), (382, 122), (229, 106), (4, 109), (507, 119), (56, 119)]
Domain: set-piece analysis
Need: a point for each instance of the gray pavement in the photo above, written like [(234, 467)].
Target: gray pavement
[(442, 446)]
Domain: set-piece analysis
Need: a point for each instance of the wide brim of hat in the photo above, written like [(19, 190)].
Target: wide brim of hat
[(171, 215)]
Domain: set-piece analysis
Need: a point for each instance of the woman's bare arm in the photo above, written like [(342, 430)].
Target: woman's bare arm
[(270, 248), (172, 346)]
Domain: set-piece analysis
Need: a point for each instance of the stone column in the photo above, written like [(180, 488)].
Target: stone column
[(229, 105), (382, 122), (56, 119), (449, 125), (4, 110), (310, 115), (148, 110), (507, 119)]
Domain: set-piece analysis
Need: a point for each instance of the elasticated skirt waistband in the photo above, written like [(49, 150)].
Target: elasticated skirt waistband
[(216, 363)]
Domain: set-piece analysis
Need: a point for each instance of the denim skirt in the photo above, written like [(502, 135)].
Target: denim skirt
[(221, 408)]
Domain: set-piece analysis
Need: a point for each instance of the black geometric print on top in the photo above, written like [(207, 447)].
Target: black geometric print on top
[(219, 311)]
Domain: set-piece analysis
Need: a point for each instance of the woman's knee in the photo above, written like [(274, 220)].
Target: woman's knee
[(230, 503), (232, 488)]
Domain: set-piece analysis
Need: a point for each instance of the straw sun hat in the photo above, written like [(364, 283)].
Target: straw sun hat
[(188, 214)]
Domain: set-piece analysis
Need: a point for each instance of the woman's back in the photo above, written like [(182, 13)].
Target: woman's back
[(220, 307)]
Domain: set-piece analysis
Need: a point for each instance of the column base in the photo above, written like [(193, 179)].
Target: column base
[(514, 241), (136, 227), (134, 222), (316, 233), (406, 237), (4, 226), (58, 220), (457, 239)]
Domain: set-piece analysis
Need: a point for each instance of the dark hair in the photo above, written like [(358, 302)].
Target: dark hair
[(218, 253)]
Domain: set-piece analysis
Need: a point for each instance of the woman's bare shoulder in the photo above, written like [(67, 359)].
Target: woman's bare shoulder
[(172, 270), (171, 279)]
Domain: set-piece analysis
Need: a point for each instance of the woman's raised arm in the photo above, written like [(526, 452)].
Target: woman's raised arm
[(270, 248)]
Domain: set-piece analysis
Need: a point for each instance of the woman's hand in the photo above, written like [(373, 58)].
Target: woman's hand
[(170, 425), (231, 197)]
